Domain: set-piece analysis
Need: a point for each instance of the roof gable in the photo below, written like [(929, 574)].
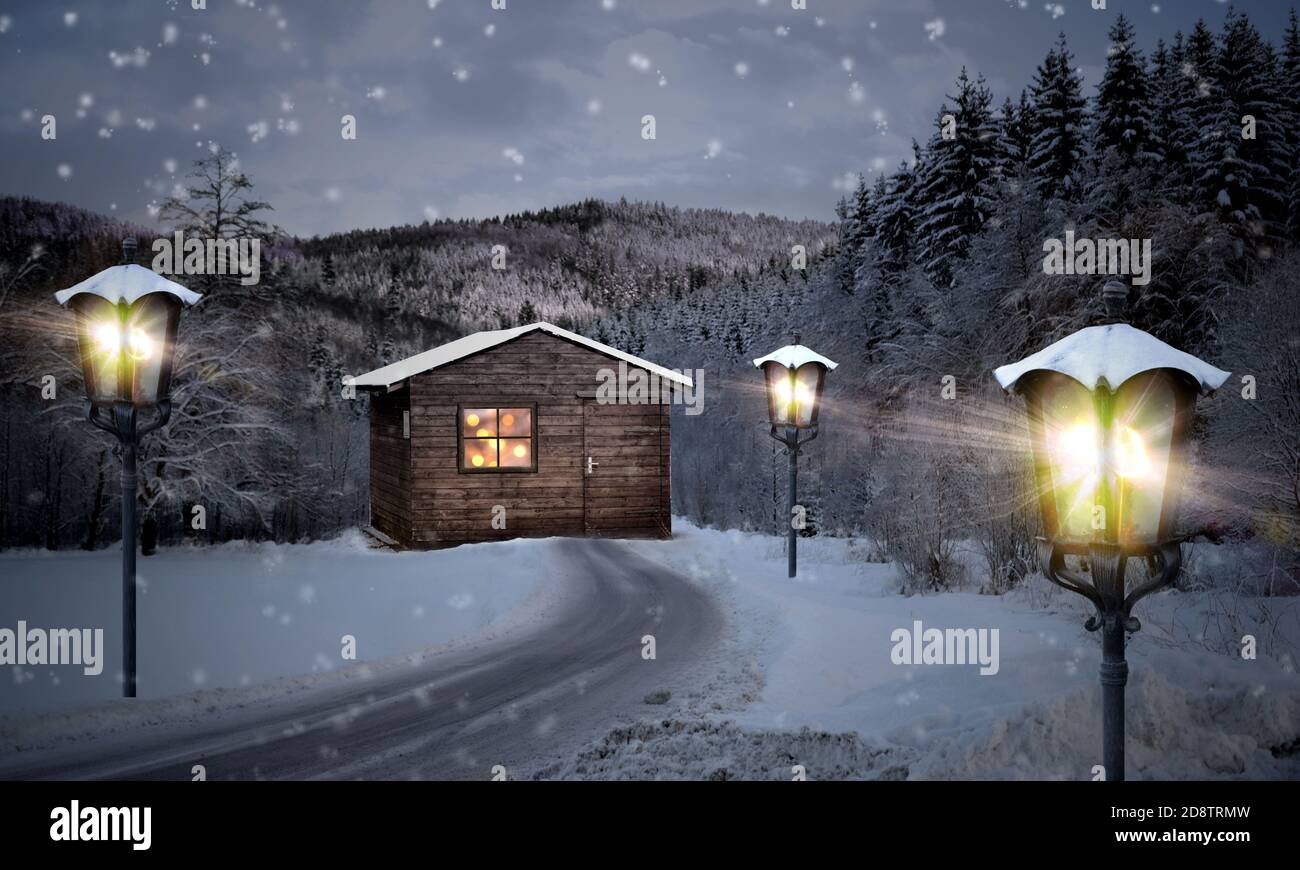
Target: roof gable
[(480, 341)]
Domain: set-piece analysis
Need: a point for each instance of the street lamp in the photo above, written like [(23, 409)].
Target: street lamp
[(1110, 411), (794, 376), (126, 333)]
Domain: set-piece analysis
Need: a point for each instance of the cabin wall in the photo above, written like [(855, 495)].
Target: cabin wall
[(450, 507), (390, 465)]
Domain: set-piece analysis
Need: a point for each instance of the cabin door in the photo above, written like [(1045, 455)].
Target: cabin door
[(624, 469)]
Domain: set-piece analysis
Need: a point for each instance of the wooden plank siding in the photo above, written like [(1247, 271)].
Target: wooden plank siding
[(445, 506), (390, 466)]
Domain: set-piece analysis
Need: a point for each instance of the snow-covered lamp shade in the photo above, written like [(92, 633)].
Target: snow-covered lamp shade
[(127, 318), (1109, 462), (794, 376)]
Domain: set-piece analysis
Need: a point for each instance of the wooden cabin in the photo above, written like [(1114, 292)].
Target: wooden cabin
[(510, 433)]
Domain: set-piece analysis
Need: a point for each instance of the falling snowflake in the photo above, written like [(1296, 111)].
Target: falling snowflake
[(638, 62), (333, 194), (461, 601), (1056, 10), (70, 19), (846, 182), (170, 33), (742, 69), (608, 5), (935, 29), (513, 155), (593, 106), (257, 130), (781, 30), (430, 212), (490, 30), (846, 64), (169, 166), (437, 42), (713, 149), (65, 171), (138, 58), (5, 23), (378, 92), (857, 93), (461, 75)]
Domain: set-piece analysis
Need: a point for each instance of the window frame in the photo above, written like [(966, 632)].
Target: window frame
[(496, 406)]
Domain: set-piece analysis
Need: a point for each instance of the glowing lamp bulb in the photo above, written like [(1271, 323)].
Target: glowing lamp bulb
[(1131, 459), (792, 397), (108, 338), (1076, 450), (482, 433), (508, 420), (471, 419), (520, 451), (139, 345), (477, 461)]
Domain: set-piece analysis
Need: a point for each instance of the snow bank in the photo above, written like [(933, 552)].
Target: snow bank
[(240, 614), (827, 695)]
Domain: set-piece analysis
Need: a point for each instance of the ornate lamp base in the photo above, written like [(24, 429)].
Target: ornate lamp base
[(1104, 586)]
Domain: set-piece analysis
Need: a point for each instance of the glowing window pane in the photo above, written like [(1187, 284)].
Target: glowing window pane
[(516, 453), (478, 422), (516, 422), (480, 453)]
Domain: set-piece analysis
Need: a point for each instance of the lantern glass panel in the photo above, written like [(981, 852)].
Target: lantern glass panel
[(780, 393), (807, 393), (1070, 451), (147, 341), (1141, 443), (99, 339)]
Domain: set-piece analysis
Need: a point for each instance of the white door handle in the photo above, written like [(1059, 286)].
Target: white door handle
[(591, 464)]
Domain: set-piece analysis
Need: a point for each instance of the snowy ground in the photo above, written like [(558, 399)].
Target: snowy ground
[(814, 655), (802, 676), (241, 614)]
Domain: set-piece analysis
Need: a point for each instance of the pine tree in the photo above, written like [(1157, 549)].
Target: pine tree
[(1290, 93), (1014, 137), (1173, 128), (1057, 149), (1237, 175), (1123, 120), (956, 189)]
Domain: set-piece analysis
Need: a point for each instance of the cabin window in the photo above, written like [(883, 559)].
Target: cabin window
[(498, 439)]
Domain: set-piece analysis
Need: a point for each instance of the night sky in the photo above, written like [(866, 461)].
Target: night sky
[(467, 111)]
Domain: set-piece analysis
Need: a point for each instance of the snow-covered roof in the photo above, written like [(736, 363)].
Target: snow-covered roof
[(127, 283), (480, 341), (794, 355), (1113, 353)]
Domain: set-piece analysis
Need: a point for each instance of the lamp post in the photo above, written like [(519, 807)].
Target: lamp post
[(1109, 411), (794, 376), (127, 317)]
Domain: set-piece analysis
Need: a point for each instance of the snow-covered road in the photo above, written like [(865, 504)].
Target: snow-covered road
[(513, 700)]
